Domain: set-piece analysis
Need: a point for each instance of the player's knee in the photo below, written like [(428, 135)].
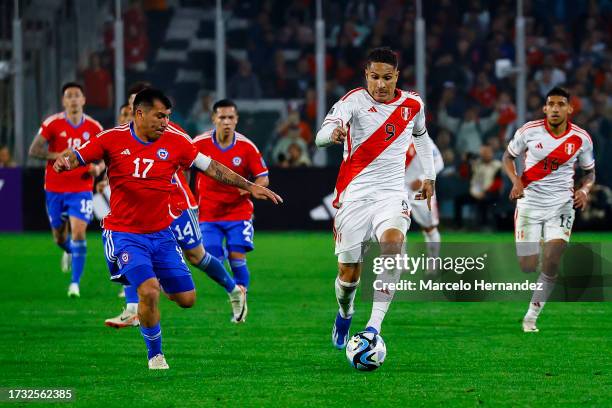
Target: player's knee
[(528, 264), (194, 258), (186, 300), (348, 272), (149, 291)]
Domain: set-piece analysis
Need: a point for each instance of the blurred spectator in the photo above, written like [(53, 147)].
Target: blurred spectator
[(485, 186), (125, 114), (295, 123), (469, 130), (200, 118), (5, 157), (245, 84), (296, 157), (98, 84), (548, 77), (281, 154), (484, 91), (136, 45)]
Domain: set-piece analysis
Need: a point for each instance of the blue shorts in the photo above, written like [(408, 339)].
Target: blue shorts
[(134, 258), (60, 206), (186, 230), (238, 235)]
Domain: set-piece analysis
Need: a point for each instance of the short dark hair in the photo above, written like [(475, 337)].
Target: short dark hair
[(224, 103), (558, 91), (72, 85), (125, 105), (382, 54), (147, 98), (138, 86)]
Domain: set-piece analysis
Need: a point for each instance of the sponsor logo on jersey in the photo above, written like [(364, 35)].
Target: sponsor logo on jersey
[(372, 109), (236, 161), (405, 112), (162, 154), (539, 146), (125, 257), (126, 152), (86, 135), (569, 148)]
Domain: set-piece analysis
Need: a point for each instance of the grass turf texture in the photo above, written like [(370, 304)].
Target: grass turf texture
[(439, 354)]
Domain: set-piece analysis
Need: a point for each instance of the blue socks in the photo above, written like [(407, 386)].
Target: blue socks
[(79, 253), (240, 271), (153, 339), (131, 294), (216, 271), (66, 246)]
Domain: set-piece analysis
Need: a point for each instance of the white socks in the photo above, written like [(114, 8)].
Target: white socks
[(539, 297), (345, 295), (432, 240), (382, 298), (132, 307)]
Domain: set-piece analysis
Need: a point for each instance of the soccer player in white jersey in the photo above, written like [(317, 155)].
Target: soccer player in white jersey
[(376, 126), (545, 191), (427, 219)]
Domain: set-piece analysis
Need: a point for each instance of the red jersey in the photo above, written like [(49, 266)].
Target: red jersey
[(140, 176), (61, 134), (220, 202), (182, 197)]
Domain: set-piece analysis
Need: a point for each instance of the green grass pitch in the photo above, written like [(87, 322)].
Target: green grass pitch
[(439, 354)]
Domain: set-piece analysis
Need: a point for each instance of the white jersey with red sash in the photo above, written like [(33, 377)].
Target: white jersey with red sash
[(550, 160), (379, 135)]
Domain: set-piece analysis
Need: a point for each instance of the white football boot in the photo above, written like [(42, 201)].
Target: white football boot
[(125, 319), (529, 325), (238, 299), (73, 290), (158, 362)]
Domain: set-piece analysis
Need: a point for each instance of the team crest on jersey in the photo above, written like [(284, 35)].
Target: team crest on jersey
[(405, 208), (570, 148), (125, 257), (162, 154), (86, 135), (405, 113), (236, 161)]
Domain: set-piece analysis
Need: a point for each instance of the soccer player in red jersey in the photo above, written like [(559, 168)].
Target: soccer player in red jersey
[(69, 195), (226, 212), (545, 191), (142, 157), (186, 230)]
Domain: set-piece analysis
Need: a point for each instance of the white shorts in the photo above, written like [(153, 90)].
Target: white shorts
[(422, 215), (533, 225), (359, 222)]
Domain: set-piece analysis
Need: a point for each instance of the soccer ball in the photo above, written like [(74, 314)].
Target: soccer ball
[(366, 351)]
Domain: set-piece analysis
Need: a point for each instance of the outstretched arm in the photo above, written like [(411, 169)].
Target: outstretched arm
[(222, 174), (40, 150)]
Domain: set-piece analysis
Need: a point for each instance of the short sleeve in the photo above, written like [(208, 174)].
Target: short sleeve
[(257, 165), (585, 158), (187, 153), (45, 132), (91, 151), (518, 144)]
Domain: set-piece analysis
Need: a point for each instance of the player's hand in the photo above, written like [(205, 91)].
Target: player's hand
[(517, 190), (339, 135), (427, 191), (61, 164), (416, 185), (581, 199), (101, 186), (263, 193)]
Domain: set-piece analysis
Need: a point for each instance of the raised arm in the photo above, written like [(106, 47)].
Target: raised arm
[(39, 149)]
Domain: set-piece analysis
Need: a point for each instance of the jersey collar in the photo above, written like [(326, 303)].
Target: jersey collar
[(72, 124), (549, 130), (397, 94), (214, 139), (136, 137)]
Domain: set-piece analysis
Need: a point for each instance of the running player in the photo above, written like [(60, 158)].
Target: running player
[(427, 220), (545, 191), (188, 235), (69, 195), (226, 213), (139, 246), (376, 126)]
